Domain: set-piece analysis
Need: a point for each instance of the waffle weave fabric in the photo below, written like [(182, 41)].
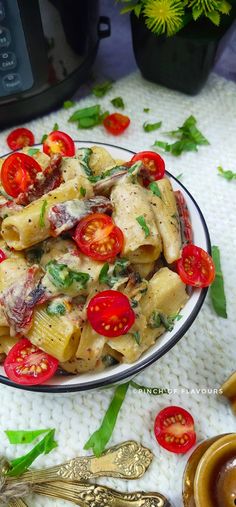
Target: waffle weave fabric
[(206, 355)]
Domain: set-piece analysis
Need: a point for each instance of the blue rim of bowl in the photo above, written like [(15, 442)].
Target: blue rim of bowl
[(135, 369)]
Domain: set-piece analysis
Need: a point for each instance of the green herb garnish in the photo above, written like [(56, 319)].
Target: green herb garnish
[(68, 103), (153, 186), (137, 337), (119, 271), (24, 437), (146, 109), (19, 465), (42, 214), (44, 137), (83, 155), (99, 439), (157, 319), (179, 177), (149, 127), (55, 127), (156, 391), (56, 308), (228, 175), (217, 291), (82, 191), (63, 277), (189, 138), (142, 222), (118, 102), (101, 89), (85, 112), (32, 151)]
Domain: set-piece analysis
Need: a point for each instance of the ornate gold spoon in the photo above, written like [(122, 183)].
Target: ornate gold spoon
[(92, 495), (13, 502), (129, 460)]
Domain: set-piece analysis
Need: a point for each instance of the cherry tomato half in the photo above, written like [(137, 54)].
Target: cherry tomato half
[(3, 256), (28, 365), (59, 142), (196, 267), (18, 172), (116, 123), (174, 429), (154, 166), (19, 138), (110, 314), (98, 237)]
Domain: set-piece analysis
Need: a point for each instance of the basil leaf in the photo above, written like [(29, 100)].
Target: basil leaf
[(99, 439), (109, 360), (8, 197), (56, 308), (153, 186), (32, 151), (228, 175), (62, 276), (119, 271), (157, 319), (149, 127), (102, 116), (101, 89), (23, 437), (146, 109), (44, 137), (103, 273), (68, 103), (142, 222), (55, 127), (83, 155), (156, 391), (217, 291), (89, 122), (42, 214), (179, 177), (137, 337), (118, 102), (188, 138), (82, 191), (19, 465), (86, 112)]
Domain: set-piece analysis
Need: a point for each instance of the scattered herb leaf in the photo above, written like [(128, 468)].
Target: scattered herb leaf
[(42, 214), (137, 337), (68, 103), (44, 137), (23, 437), (56, 308), (142, 222), (153, 186), (118, 102), (85, 112), (146, 109), (179, 177), (32, 151), (217, 291), (228, 175), (119, 271), (99, 439), (63, 277), (157, 319), (82, 191), (55, 127), (83, 155), (101, 89), (149, 127), (189, 138), (19, 465), (156, 391)]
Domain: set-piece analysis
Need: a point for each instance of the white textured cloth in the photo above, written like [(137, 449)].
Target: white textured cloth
[(206, 355)]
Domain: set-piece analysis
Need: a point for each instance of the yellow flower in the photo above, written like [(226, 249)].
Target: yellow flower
[(164, 16)]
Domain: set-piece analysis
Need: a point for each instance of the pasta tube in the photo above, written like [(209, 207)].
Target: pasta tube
[(130, 201), (25, 229), (56, 335), (100, 160), (166, 216)]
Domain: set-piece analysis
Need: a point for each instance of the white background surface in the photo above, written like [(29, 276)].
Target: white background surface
[(206, 354)]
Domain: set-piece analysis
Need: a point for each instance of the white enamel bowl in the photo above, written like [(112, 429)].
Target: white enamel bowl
[(120, 372)]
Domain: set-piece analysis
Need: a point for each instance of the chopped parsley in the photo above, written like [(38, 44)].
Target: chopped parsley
[(158, 319), (118, 102), (63, 277), (101, 89), (82, 191), (149, 127), (153, 186), (42, 214), (228, 175), (56, 308), (68, 103), (188, 138), (33, 151), (142, 222)]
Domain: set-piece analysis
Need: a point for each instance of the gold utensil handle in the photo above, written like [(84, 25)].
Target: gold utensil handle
[(92, 495), (17, 502), (129, 460)]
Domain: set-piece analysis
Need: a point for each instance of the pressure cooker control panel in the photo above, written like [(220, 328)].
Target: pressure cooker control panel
[(15, 69)]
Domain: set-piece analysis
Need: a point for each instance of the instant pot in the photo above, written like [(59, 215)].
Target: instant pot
[(47, 48)]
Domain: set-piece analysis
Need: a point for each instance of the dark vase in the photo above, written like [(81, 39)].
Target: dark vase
[(181, 62)]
